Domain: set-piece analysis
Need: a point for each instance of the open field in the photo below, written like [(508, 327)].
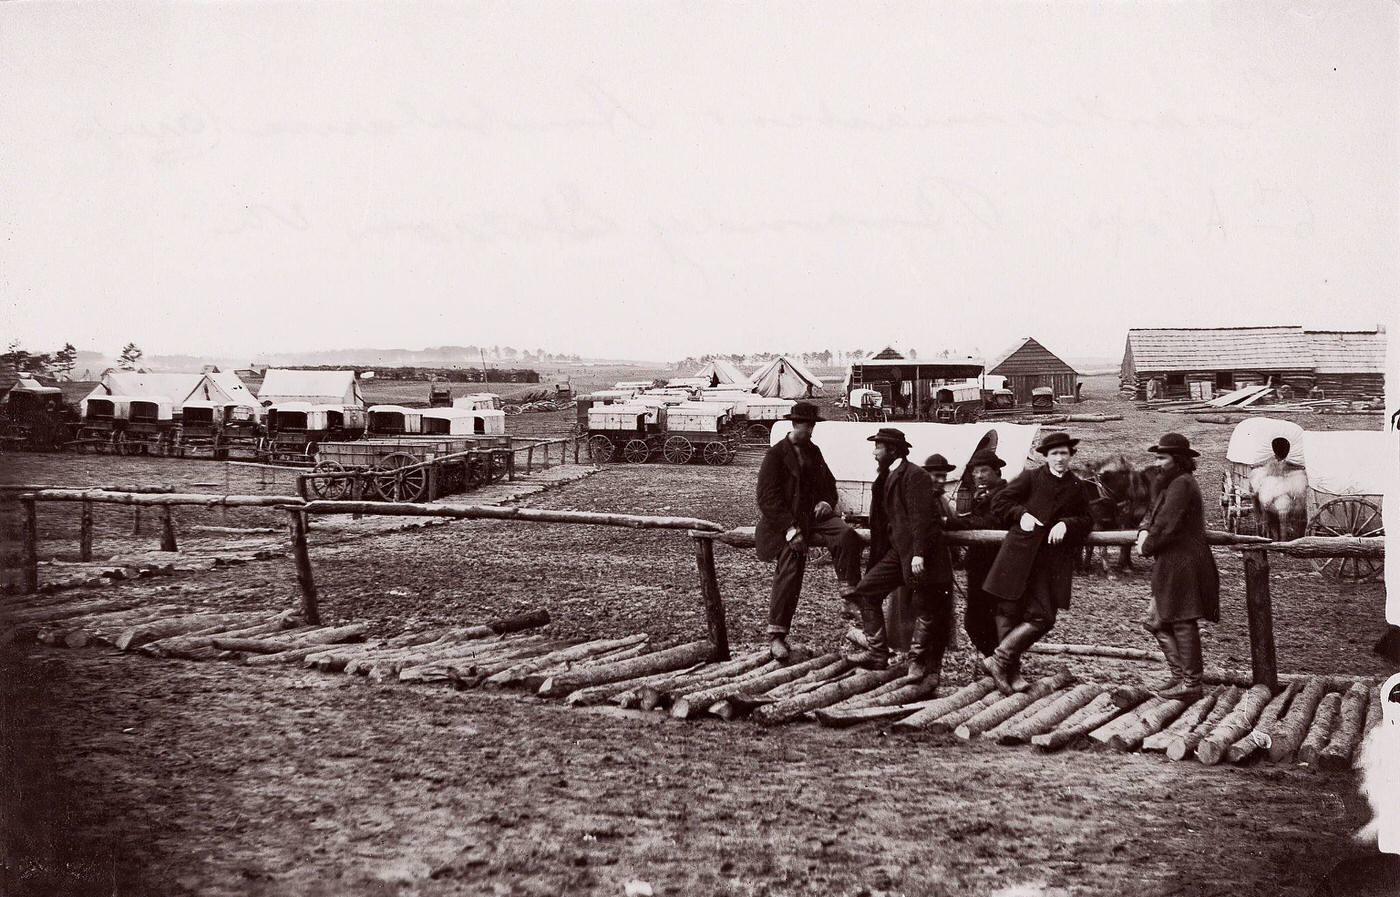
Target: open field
[(154, 776)]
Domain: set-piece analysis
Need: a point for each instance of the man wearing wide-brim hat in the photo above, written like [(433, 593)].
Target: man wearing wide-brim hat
[(1033, 574), (904, 531), (980, 612), (797, 508), (1185, 581)]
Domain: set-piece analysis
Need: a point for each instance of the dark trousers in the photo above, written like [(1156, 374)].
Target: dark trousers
[(845, 546), (980, 614), (933, 605)]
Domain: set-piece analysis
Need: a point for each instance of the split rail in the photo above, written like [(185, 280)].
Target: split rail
[(703, 533)]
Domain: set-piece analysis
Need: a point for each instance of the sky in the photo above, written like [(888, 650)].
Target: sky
[(657, 180)]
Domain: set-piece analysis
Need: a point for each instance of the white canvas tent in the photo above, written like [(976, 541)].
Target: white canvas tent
[(723, 371), (221, 389), (783, 378), (317, 387), (173, 387)]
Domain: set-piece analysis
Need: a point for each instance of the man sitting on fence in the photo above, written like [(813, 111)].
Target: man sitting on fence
[(797, 504)]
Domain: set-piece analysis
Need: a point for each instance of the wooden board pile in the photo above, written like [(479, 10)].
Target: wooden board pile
[(1312, 720), (1251, 399)]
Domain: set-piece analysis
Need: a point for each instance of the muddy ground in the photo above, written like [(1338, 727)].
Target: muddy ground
[(129, 775)]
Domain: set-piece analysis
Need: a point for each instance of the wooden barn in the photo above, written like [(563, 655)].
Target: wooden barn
[(1201, 362), (1349, 364), (1028, 365)]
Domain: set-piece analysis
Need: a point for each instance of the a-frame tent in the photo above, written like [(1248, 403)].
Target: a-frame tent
[(784, 378)]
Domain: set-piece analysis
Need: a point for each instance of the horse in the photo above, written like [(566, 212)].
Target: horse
[(1280, 490), (1121, 497)]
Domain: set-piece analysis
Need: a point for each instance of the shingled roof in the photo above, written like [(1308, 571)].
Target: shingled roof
[(1348, 351), (1220, 348), (1027, 356)]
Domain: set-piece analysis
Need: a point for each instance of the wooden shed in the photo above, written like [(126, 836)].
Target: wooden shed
[(1198, 362), (1027, 365), (1349, 364)]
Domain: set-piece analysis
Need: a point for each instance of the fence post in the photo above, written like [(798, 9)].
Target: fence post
[(310, 608), (136, 521), (709, 594), (530, 458), (85, 533), (167, 528), (31, 545), (575, 449), (357, 494), (1259, 603)]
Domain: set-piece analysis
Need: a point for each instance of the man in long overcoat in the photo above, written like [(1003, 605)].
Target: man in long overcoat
[(980, 614), (1032, 576), (1185, 581), (905, 550), (797, 508)]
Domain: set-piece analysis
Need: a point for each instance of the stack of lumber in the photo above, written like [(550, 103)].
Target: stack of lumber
[(1313, 721)]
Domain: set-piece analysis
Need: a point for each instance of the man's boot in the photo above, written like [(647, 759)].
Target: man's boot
[(1002, 667), (876, 656), (1007, 660), (1188, 648), (926, 658), (850, 604), (1167, 640), (778, 648)]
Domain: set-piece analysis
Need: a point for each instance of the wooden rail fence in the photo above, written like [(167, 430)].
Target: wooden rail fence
[(704, 533)]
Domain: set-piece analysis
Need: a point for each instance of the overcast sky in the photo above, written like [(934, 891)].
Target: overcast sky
[(662, 179)]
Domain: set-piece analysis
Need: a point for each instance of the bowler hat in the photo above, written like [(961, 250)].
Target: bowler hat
[(985, 457), (892, 436), (936, 463), (804, 412), (1174, 444), (1054, 441)]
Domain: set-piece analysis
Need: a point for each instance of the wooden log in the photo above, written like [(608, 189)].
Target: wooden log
[(1157, 742), (1047, 715), (844, 718), (1347, 735), (474, 670), (969, 694), (1240, 721), (695, 702), (509, 512), (1129, 696), (462, 656), (144, 633), (660, 694), (1258, 736), (315, 636), (167, 528), (295, 655), (1185, 745), (743, 537), (74, 609), (85, 533), (306, 580), (1010, 705), (656, 662), (1374, 715), (820, 676), (791, 708), (1259, 605), (1330, 547), (710, 598), (1097, 651), (1131, 736), (905, 692), (102, 629), (1328, 710), (532, 619), (180, 645), (1286, 736), (1103, 735), (597, 694), (29, 562), (1093, 716), (172, 499), (949, 722), (584, 651)]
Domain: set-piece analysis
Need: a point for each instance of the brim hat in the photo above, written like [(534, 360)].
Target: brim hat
[(804, 412), (891, 436), (1054, 441), (936, 463), (986, 458), (1174, 444)]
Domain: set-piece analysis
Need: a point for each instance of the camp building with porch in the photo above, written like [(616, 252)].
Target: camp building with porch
[(1202, 362)]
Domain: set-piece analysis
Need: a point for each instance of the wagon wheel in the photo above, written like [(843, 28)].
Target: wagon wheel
[(678, 450), (330, 489), (1350, 515), (715, 453), (601, 449), (757, 433), (853, 415), (636, 451), (396, 479)]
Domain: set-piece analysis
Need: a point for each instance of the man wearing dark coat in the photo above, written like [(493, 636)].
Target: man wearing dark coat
[(1185, 581), (1032, 576), (905, 550), (797, 507), (980, 612)]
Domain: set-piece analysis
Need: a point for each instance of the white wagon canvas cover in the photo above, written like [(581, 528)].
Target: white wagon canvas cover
[(1347, 462), (1251, 442), (317, 387)]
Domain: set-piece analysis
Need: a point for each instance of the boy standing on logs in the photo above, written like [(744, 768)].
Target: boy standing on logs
[(1033, 574), (797, 502), (980, 614), (904, 530)]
